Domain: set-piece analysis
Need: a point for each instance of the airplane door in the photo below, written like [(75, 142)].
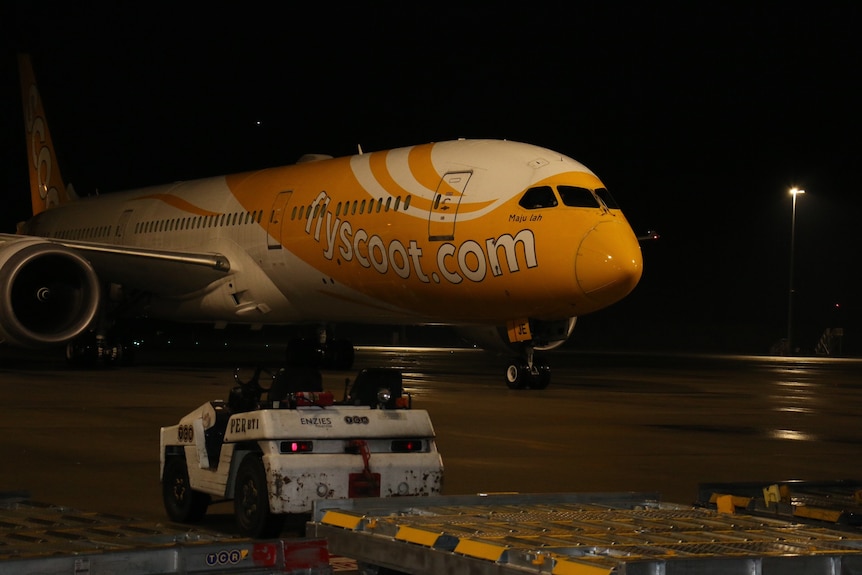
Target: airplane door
[(121, 225), (444, 208), (276, 218)]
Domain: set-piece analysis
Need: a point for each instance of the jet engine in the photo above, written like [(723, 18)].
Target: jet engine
[(49, 294)]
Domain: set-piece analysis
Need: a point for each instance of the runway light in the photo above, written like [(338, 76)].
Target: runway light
[(297, 446)]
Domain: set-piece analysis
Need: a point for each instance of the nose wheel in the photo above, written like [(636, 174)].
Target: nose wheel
[(531, 374)]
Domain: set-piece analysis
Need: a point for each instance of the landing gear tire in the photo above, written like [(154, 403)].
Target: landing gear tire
[(182, 503), (251, 501), (515, 375), (541, 377), (119, 354), (520, 376), (88, 350), (83, 351)]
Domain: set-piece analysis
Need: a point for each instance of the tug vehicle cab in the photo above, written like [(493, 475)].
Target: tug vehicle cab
[(274, 448)]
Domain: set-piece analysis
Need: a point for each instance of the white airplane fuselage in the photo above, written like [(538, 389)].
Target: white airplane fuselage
[(360, 239)]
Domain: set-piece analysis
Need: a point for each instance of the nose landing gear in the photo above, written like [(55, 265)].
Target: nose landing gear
[(529, 372)]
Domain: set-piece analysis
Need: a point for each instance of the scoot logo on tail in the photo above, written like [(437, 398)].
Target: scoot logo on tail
[(41, 160), (47, 187)]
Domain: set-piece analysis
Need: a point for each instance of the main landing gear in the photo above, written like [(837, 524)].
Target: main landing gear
[(89, 350), (528, 372)]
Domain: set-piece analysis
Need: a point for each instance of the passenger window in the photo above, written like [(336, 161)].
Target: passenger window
[(538, 197), (607, 198), (576, 197)]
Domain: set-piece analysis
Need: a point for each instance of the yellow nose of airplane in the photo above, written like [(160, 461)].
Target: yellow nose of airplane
[(609, 262)]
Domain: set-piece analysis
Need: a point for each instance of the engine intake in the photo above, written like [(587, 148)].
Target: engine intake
[(48, 293)]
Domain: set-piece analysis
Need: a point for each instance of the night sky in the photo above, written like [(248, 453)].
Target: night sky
[(699, 117)]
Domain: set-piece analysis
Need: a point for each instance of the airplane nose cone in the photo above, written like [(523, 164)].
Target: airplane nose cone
[(609, 262)]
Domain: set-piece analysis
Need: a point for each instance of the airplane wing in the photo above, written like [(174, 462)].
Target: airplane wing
[(161, 272)]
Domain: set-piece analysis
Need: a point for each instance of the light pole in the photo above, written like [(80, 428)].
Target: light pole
[(793, 192)]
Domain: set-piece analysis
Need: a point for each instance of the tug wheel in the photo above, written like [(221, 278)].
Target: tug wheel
[(182, 503), (251, 501)]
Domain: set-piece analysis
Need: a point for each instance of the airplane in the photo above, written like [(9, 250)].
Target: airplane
[(506, 241)]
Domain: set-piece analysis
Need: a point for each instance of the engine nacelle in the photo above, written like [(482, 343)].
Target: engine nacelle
[(546, 335), (48, 293)]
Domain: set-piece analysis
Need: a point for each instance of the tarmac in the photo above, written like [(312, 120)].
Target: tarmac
[(608, 422)]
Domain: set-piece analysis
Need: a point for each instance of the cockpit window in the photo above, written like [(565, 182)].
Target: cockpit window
[(607, 198), (538, 197), (577, 197)]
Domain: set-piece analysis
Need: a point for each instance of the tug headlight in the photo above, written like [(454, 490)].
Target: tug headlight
[(383, 396)]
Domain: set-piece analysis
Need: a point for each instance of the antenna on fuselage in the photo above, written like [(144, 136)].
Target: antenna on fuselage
[(359, 146)]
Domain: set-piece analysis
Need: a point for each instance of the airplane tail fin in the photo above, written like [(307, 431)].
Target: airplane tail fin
[(46, 184)]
